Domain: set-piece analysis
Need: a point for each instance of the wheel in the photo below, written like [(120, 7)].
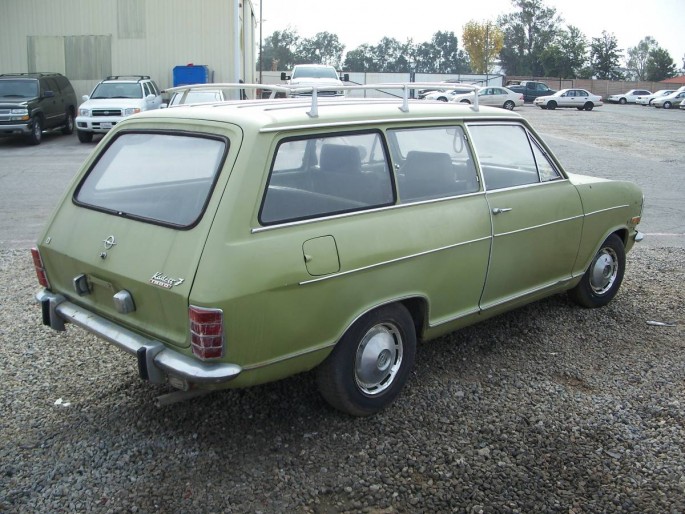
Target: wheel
[(551, 105), (442, 98), (36, 135), (602, 279), (509, 105), (667, 105), (84, 137), (371, 363), (580, 108), (623, 101), (465, 102), (68, 127), (588, 106), (543, 107)]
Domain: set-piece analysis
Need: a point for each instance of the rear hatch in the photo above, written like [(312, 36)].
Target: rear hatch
[(135, 224)]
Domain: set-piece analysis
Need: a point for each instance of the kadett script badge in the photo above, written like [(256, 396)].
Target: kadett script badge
[(161, 280)]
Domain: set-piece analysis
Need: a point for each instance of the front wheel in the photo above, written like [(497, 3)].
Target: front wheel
[(36, 135), (442, 98), (667, 105), (623, 101), (551, 105), (601, 281), (83, 136), (509, 105), (369, 366)]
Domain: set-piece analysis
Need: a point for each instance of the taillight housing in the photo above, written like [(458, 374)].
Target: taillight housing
[(206, 332), (40, 269)]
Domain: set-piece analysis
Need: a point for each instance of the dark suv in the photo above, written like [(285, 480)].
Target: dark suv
[(33, 102)]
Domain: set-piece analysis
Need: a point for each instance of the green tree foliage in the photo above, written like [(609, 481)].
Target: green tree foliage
[(605, 56), (639, 55), (659, 65), (323, 48), (527, 33), (278, 50), (567, 56), (483, 42)]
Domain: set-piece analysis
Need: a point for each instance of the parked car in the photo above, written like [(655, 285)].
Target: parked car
[(672, 100), (629, 97), (492, 96), (530, 89), (199, 97), (33, 102), (112, 100), (316, 75), (647, 99), (578, 98), (447, 95), (234, 244), (422, 93)]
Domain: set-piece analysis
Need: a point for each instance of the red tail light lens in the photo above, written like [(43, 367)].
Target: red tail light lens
[(40, 269), (206, 332)]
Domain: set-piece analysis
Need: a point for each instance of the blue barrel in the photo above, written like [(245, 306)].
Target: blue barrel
[(191, 74)]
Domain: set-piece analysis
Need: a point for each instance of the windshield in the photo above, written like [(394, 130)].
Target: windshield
[(20, 88), (117, 90), (317, 72)]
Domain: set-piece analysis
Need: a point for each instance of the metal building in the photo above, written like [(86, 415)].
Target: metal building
[(88, 40)]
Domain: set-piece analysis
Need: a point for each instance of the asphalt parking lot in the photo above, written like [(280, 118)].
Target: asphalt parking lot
[(641, 144)]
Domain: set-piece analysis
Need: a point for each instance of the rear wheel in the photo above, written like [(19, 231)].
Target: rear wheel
[(68, 124), (36, 135), (84, 137), (551, 105), (509, 105), (369, 366), (588, 106), (601, 281)]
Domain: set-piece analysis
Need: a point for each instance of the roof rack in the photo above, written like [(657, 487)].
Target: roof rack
[(120, 77), (289, 91)]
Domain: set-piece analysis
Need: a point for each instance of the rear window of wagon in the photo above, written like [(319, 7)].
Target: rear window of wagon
[(156, 177)]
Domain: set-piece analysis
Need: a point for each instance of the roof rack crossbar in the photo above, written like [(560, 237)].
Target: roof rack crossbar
[(300, 91)]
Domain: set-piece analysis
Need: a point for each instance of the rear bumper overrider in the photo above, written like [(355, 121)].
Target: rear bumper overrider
[(156, 362)]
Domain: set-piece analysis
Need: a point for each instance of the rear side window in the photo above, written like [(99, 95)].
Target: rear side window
[(432, 163), (321, 176), (510, 157), (162, 178)]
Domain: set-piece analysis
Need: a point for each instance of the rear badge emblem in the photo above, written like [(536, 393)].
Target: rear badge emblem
[(109, 242), (161, 280)]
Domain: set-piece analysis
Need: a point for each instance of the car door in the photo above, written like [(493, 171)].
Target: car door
[(536, 214), (51, 102)]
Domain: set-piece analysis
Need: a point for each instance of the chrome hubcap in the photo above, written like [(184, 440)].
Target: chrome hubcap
[(604, 271), (378, 359)]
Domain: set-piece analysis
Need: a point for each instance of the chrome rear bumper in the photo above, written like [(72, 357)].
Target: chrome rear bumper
[(156, 361)]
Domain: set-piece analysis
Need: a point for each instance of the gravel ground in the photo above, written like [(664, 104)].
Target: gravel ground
[(551, 408)]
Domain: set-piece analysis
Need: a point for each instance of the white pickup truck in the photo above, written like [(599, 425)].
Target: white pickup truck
[(316, 75)]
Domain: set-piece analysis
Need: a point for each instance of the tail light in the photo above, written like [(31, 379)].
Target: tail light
[(40, 269), (206, 332)]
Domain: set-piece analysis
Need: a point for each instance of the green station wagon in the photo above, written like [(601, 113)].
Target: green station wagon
[(239, 243)]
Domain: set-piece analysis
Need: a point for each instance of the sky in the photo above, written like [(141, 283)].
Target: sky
[(367, 21)]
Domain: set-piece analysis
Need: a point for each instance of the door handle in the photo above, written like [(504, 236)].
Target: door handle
[(500, 210)]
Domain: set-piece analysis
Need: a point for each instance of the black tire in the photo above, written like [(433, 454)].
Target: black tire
[(543, 107), (84, 137), (623, 101), (68, 127), (465, 102), (442, 98), (580, 108), (667, 105), (603, 278), (369, 366), (509, 105), (588, 106), (36, 135), (551, 105)]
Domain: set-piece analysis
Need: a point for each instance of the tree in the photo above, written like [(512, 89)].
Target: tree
[(449, 59), (527, 33), (566, 57), (279, 48), (659, 65), (639, 55), (361, 59), (483, 42), (323, 48), (605, 56)]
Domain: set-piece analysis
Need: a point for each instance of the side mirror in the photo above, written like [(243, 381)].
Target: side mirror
[(345, 77), (48, 94), (150, 98), (284, 76), (85, 98)]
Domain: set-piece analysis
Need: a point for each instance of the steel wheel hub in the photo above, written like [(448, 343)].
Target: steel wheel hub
[(604, 271), (378, 359)]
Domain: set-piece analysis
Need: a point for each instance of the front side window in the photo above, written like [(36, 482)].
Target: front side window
[(432, 162), (163, 178), (509, 157), (321, 176)]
